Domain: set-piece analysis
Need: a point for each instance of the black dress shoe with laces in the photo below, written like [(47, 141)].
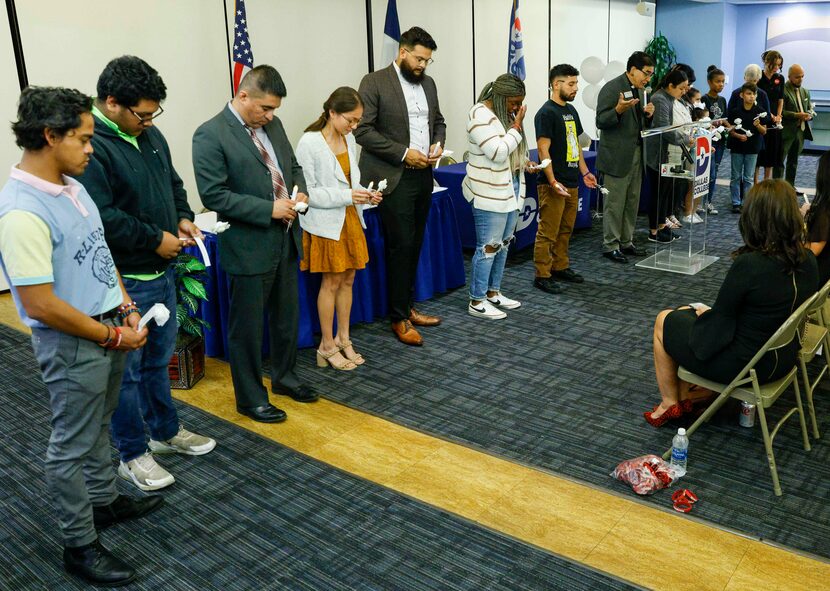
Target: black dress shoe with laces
[(299, 393), (547, 284), (267, 413), (124, 508), (615, 255), (634, 251), (568, 275), (95, 564)]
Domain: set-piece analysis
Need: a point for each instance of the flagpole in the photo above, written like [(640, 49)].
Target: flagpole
[(370, 44), (228, 42), (473, 5)]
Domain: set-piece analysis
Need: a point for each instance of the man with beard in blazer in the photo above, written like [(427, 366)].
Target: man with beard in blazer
[(245, 171), (400, 134)]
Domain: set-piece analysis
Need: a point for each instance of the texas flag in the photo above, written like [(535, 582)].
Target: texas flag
[(515, 52), (391, 35)]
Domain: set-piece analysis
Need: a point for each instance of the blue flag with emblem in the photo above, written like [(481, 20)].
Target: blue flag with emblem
[(516, 53)]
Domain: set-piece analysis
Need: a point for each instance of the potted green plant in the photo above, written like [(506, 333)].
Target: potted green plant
[(187, 365), (664, 56)]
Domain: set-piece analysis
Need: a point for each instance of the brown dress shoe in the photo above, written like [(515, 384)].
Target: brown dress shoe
[(419, 319), (406, 333)]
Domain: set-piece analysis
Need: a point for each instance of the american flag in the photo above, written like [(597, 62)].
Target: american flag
[(243, 56)]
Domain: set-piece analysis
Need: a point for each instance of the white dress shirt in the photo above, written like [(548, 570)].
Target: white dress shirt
[(418, 109)]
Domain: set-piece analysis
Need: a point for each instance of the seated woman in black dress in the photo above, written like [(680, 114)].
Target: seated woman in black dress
[(817, 219), (772, 274)]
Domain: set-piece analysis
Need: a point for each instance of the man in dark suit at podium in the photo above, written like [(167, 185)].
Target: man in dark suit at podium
[(400, 131), (245, 171), (620, 118)]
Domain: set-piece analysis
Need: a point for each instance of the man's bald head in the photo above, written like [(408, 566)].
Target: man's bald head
[(795, 75)]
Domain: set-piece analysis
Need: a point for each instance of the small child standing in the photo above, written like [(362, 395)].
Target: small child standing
[(716, 105), (744, 142)]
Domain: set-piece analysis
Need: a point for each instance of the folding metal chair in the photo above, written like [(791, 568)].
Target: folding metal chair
[(748, 388)]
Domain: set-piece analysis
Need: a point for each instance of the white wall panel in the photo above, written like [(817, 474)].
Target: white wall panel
[(9, 93), (68, 43), (316, 45)]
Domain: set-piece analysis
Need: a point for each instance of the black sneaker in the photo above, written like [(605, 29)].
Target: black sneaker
[(547, 284), (736, 209), (569, 275), (662, 236)]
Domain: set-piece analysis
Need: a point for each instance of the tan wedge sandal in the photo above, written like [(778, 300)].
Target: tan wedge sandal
[(324, 358)]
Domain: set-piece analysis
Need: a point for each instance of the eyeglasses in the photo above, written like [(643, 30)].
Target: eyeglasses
[(350, 121), (146, 118), (421, 60), (647, 74)]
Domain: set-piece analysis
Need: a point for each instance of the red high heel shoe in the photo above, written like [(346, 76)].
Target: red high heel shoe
[(686, 405), (673, 412)]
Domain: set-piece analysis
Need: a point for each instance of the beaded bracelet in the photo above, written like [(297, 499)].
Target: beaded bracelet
[(125, 310)]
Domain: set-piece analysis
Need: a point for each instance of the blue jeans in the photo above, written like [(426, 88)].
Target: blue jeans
[(145, 389), (743, 171), (720, 148), (496, 230)]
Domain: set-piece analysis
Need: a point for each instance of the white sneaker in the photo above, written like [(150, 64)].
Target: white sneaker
[(691, 219), (711, 209), (502, 301), (675, 221), (145, 473), (487, 310), (696, 219), (183, 442)]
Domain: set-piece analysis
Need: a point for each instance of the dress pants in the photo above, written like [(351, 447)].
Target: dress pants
[(793, 144), (619, 214), (83, 381), (557, 215), (273, 293), (404, 214)]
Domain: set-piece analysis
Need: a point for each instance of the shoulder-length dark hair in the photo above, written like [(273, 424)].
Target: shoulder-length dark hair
[(821, 201), (771, 223)]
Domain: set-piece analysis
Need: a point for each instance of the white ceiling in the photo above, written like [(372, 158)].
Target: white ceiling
[(757, 1)]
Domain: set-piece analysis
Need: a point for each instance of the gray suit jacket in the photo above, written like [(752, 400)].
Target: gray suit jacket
[(792, 126), (234, 181), (619, 133), (384, 131)]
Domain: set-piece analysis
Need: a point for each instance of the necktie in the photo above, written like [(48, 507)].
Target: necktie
[(280, 190), (800, 106)]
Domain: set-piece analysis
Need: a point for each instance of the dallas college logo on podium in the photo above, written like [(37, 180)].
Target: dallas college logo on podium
[(703, 164)]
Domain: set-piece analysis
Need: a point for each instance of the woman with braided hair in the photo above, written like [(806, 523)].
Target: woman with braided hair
[(495, 187)]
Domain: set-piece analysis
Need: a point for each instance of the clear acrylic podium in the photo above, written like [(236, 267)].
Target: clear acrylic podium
[(678, 161)]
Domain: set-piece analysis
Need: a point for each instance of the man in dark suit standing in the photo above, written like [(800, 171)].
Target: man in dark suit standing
[(400, 133), (245, 171), (620, 118)]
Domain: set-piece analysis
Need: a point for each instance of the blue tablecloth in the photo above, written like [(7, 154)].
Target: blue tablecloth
[(441, 267), (452, 175)]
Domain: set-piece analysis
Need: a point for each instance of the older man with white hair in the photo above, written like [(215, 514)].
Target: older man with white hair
[(752, 75)]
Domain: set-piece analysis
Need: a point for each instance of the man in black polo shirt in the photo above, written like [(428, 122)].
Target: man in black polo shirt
[(557, 137)]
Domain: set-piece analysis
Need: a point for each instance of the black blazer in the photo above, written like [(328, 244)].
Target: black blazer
[(383, 132), (234, 181), (618, 133)]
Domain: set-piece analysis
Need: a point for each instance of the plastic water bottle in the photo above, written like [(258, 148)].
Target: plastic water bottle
[(679, 452)]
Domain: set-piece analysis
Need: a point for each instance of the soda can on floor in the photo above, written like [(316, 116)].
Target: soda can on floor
[(747, 414)]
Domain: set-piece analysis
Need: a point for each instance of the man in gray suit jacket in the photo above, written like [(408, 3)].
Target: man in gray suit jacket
[(245, 171), (797, 114), (620, 117), (401, 127)]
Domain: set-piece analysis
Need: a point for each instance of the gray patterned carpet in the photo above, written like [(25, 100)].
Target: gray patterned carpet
[(253, 515), (562, 383)]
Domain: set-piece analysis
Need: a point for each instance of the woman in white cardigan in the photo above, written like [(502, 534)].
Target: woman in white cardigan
[(495, 186), (333, 240)]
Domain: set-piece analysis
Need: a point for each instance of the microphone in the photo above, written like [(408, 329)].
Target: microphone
[(646, 90)]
